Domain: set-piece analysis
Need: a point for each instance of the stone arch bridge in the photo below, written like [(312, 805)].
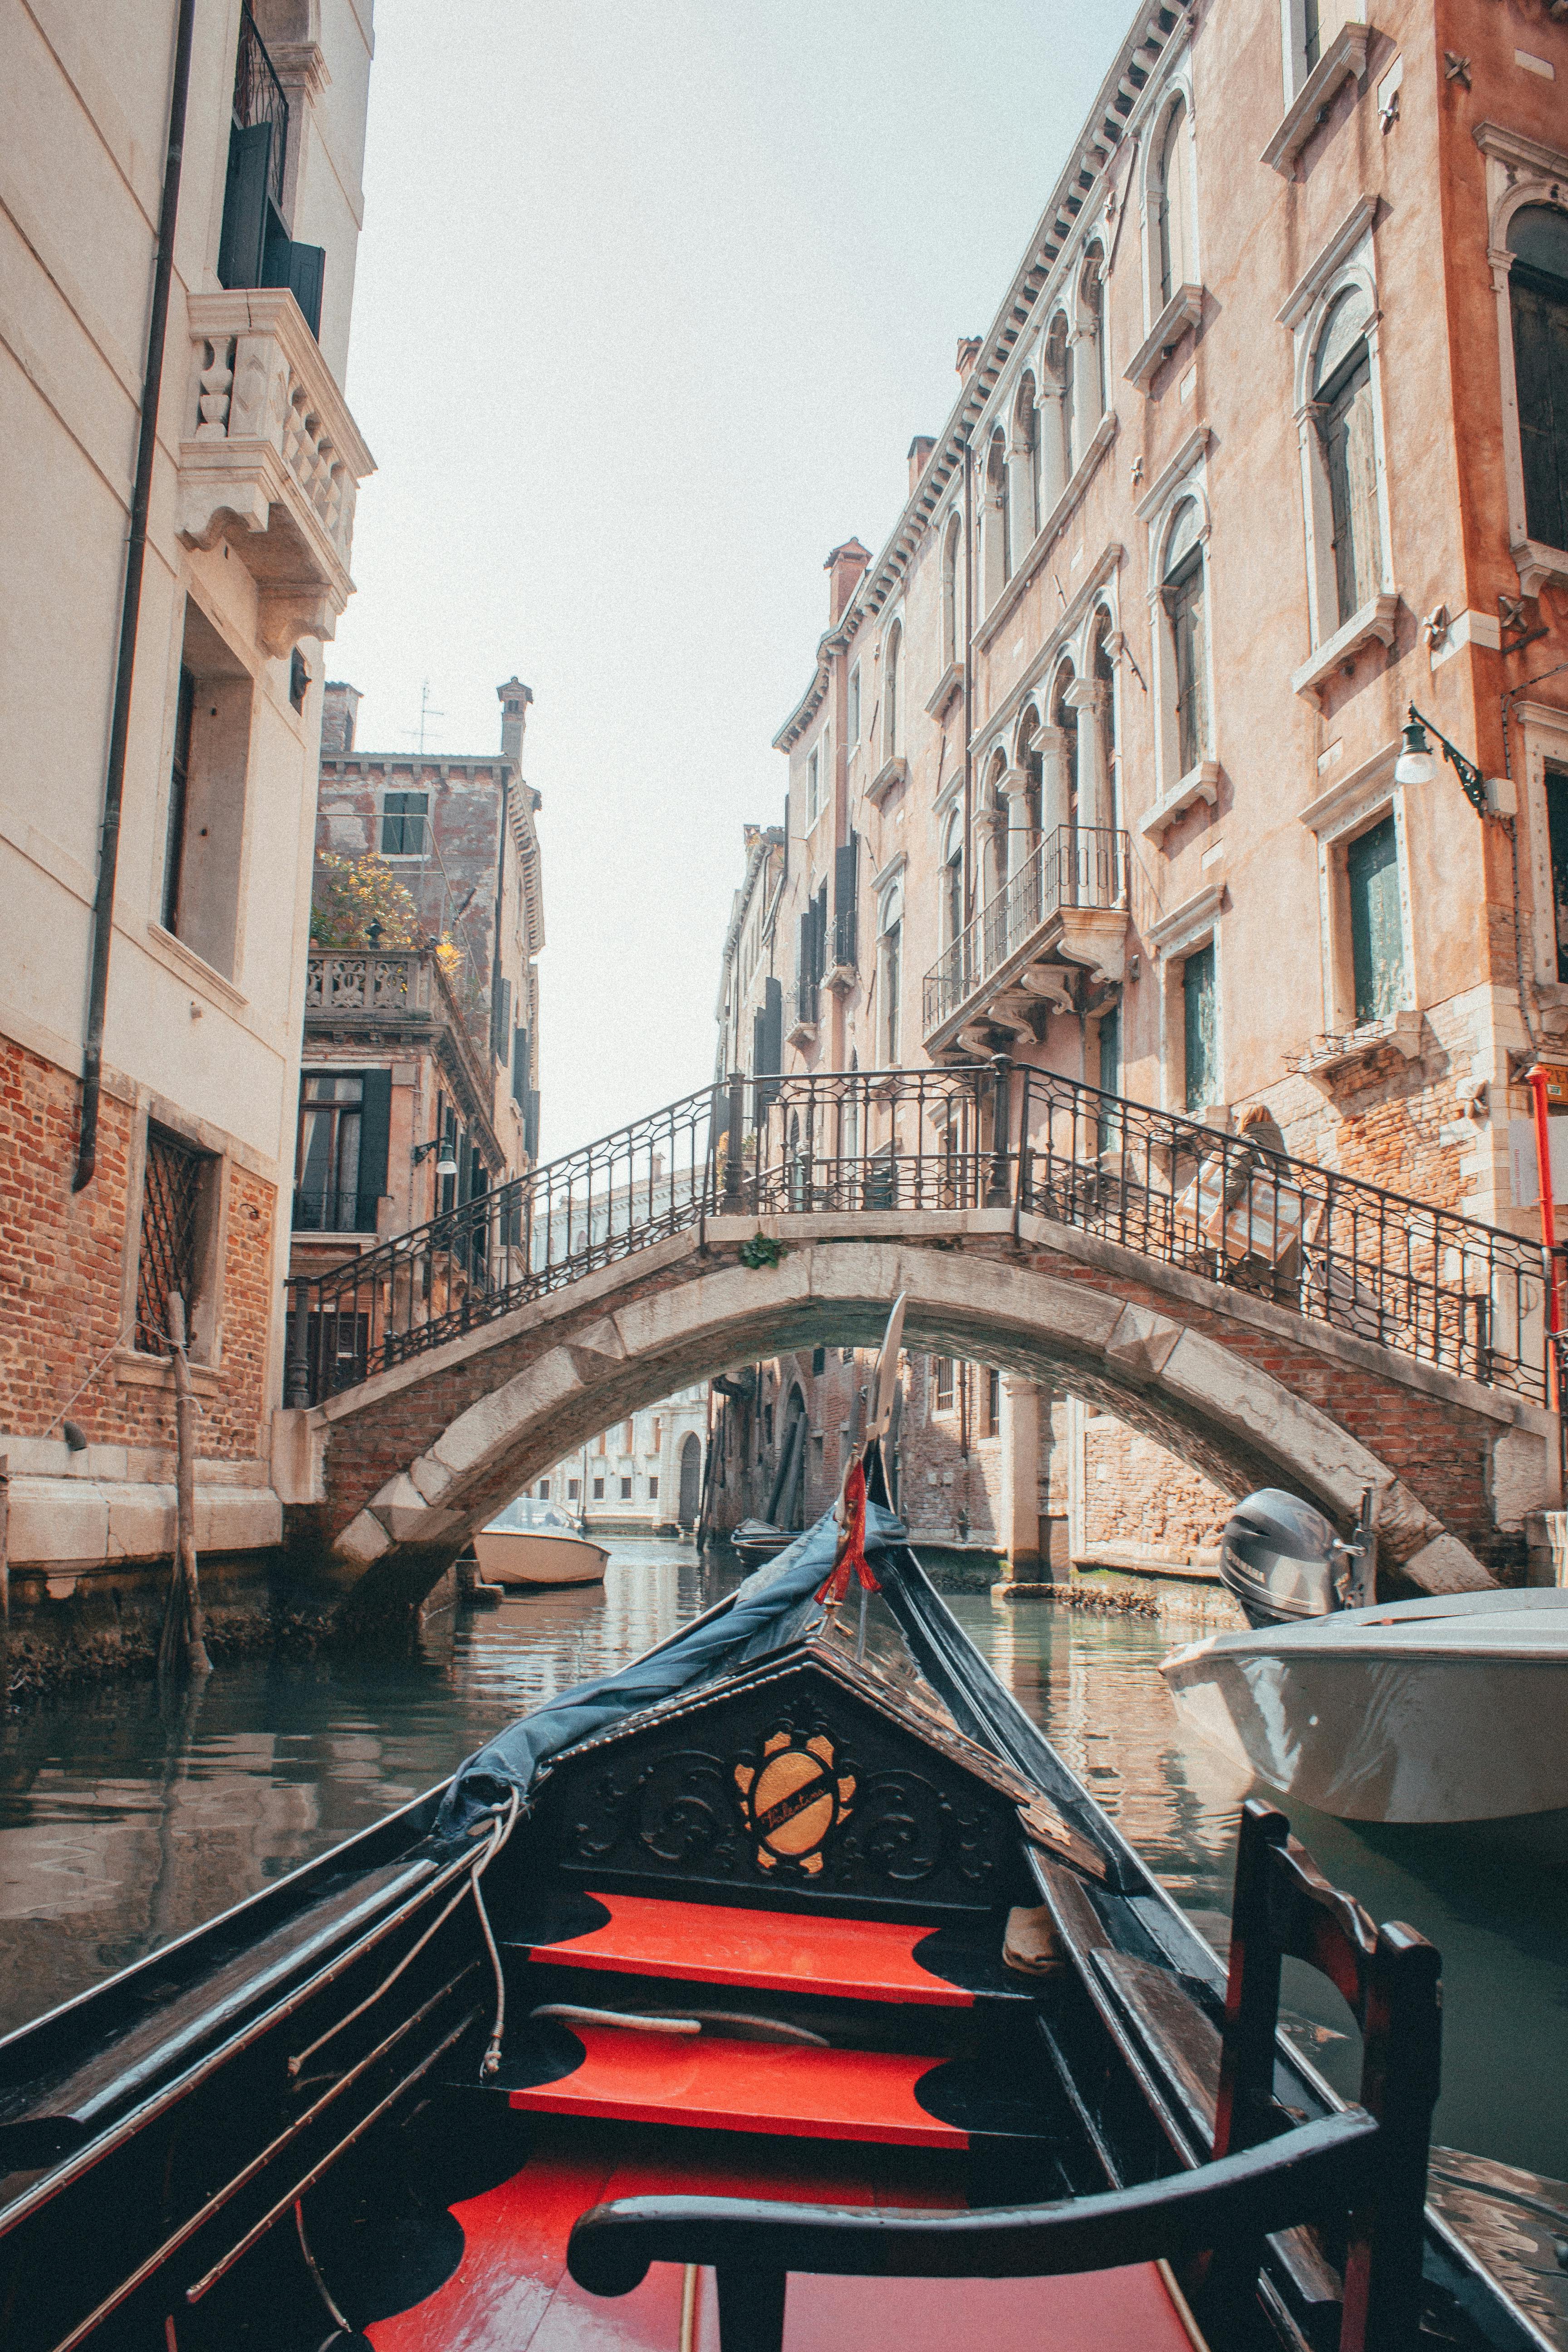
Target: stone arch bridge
[(1270, 1321)]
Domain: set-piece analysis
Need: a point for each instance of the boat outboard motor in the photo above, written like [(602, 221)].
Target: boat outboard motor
[(1277, 1556)]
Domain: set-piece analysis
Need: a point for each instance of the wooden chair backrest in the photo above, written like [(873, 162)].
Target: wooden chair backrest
[(1390, 1979)]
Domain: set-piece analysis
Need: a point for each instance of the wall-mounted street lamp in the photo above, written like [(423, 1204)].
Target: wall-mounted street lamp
[(445, 1164), (1418, 764)]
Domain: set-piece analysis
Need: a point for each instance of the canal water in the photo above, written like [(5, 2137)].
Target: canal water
[(123, 1823)]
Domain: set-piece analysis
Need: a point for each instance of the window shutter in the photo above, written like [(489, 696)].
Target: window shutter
[(1540, 376), (242, 241), (519, 1072), (375, 1126), (772, 1025), (759, 1042), (1202, 1041), (303, 269), (845, 862), (530, 1124), (1351, 460), (819, 934), (500, 1023), (1377, 938)]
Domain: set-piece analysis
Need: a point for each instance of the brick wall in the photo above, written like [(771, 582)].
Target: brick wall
[(61, 1265), (1135, 1492)]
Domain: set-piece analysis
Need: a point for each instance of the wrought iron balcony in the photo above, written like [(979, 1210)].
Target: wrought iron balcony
[(271, 459), (1067, 900)]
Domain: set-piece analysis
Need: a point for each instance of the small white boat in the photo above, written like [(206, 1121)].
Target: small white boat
[(533, 1542), (1451, 1709)]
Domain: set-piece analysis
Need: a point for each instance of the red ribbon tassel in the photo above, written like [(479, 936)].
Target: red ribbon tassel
[(851, 1551)]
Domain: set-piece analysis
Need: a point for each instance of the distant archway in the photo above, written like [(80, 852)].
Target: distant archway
[(691, 1480)]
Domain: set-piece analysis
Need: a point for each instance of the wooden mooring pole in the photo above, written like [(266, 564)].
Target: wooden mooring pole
[(182, 1651)]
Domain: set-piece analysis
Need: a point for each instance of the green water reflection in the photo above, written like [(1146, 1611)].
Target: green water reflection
[(121, 1825)]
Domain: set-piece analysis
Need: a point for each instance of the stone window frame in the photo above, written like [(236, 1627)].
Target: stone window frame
[(891, 663), (1335, 819), (1195, 924), (1185, 478), (140, 1366), (1176, 86), (1518, 172), (820, 748), (1543, 741), (1346, 263)]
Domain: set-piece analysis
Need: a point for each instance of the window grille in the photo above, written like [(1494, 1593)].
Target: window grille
[(942, 1374), (171, 1196), (258, 98), (625, 1490), (992, 1405), (598, 1490), (653, 1490), (402, 824)]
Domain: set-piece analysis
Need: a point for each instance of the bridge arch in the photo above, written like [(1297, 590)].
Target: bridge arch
[(400, 1470)]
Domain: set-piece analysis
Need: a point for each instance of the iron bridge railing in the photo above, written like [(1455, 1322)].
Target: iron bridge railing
[(1441, 1287)]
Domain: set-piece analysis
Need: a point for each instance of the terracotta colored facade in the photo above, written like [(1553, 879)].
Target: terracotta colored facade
[(1234, 477)]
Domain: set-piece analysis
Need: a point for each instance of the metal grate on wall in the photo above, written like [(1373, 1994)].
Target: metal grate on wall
[(170, 1199)]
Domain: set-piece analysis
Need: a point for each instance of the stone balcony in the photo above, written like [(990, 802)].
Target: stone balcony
[(1065, 908), (271, 459), (399, 997)]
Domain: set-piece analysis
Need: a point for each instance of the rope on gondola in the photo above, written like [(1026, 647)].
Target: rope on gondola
[(501, 1830)]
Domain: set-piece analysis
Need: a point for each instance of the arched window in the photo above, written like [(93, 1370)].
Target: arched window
[(1093, 394), (890, 692), (1064, 718), (953, 880), (1104, 669), (1058, 452), (1025, 468), (890, 973), (1537, 300), (1031, 761), (1174, 206), (952, 588), (997, 553), (993, 808), (1182, 594), (1341, 398)]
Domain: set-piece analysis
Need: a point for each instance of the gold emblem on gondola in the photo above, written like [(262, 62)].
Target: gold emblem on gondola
[(794, 1799)]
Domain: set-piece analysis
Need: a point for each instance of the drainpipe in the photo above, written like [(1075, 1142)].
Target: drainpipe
[(130, 610)]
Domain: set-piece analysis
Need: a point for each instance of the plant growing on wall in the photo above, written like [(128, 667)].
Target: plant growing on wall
[(350, 894)]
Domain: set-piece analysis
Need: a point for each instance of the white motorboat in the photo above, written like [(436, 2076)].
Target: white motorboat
[(1450, 1709), (535, 1542)]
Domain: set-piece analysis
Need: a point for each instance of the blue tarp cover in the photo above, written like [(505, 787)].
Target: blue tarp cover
[(765, 1616)]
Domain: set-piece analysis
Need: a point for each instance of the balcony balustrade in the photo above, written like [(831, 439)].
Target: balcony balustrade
[(271, 459), (393, 982), (1067, 901)]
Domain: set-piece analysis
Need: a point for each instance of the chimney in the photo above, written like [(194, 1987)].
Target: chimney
[(921, 448), (845, 564), (339, 710), (514, 699), (968, 352)]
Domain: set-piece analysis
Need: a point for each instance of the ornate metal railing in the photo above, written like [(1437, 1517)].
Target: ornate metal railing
[(1075, 866), (258, 98), (1441, 1287)]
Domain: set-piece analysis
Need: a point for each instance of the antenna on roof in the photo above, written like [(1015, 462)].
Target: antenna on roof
[(427, 712)]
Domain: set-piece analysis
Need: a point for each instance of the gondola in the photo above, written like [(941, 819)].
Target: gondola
[(783, 1990)]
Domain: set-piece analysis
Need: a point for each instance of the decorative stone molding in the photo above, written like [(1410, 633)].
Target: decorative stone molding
[(271, 459), (1180, 929), (1373, 622), (886, 781), (803, 1037), (950, 683), (840, 980), (1183, 310), (1538, 564), (1169, 475), (1199, 783), (1329, 256), (1329, 1057), (1343, 61)]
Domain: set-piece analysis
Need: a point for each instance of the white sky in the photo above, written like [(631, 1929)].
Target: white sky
[(653, 296)]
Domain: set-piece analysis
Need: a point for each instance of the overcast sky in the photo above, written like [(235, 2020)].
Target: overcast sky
[(653, 296)]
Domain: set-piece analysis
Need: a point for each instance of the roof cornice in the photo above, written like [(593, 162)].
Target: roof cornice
[(1105, 125)]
